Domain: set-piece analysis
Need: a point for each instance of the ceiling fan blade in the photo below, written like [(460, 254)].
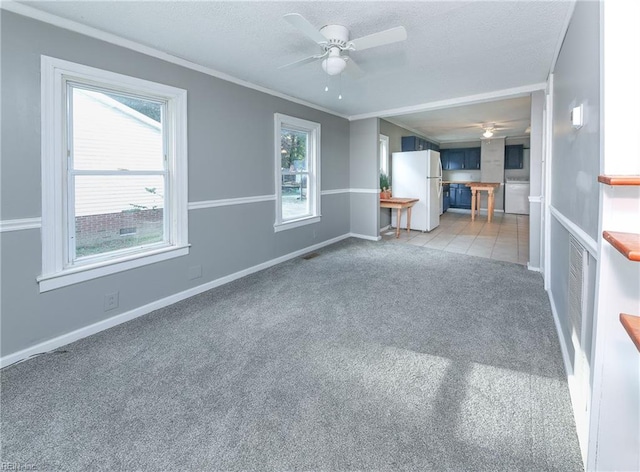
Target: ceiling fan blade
[(301, 62), (300, 22), (353, 69), (304, 61), (381, 38)]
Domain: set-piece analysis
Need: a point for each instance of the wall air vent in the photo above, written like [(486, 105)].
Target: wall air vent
[(577, 277)]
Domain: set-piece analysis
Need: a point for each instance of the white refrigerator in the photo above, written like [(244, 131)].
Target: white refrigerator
[(418, 174)]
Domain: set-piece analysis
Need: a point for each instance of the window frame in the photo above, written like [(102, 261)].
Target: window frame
[(313, 170), (57, 269), (383, 144)]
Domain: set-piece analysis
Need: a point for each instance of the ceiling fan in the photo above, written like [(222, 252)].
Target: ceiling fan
[(490, 128), (335, 44)]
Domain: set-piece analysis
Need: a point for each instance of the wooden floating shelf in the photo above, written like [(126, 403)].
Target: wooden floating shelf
[(632, 325), (626, 243), (619, 179)]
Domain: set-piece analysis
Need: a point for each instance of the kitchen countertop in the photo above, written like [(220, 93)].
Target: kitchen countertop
[(468, 182), (483, 185)]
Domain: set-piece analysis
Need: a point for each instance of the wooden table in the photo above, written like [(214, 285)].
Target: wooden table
[(476, 188), (399, 204)]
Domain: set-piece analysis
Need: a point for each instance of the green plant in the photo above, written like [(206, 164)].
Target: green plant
[(384, 181)]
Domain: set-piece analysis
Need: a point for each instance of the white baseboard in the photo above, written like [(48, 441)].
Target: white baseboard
[(458, 210), (563, 347), (364, 236), (533, 269), (574, 389), (78, 334)]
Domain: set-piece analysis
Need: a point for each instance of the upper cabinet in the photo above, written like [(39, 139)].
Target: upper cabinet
[(472, 158), (462, 158), (514, 156), (414, 143), (452, 159)]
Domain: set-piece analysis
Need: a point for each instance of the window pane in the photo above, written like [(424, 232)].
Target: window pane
[(118, 212), (384, 156), (295, 190), (112, 131), (293, 147)]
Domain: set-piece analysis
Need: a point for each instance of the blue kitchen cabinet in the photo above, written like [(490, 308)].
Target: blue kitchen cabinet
[(455, 159), (472, 158), (514, 156), (459, 196), (453, 195), (410, 143), (415, 143), (464, 197), (446, 190), (461, 158), (444, 159)]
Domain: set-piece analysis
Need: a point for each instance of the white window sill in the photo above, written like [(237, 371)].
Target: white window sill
[(296, 223), (100, 269)]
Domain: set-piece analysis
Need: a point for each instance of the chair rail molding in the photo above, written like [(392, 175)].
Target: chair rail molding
[(364, 190), (20, 224), (230, 201), (587, 241)]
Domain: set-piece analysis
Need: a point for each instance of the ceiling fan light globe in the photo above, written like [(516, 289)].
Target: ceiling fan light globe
[(333, 65), (487, 134)]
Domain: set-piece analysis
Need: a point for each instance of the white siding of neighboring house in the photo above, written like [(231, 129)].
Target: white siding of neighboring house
[(108, 136)]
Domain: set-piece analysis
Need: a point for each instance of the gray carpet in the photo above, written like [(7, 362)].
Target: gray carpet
[(371, 356)]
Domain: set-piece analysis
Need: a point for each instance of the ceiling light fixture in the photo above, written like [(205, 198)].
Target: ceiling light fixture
[(488, 130), (334, 65)]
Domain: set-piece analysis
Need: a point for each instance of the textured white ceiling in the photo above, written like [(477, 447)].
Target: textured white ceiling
[(454, 48), (511, 118)]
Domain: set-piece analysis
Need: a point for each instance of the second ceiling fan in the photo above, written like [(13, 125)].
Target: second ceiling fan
[(335, 44)]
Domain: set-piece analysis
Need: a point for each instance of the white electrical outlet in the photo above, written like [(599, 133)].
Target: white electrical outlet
[(111, 301)]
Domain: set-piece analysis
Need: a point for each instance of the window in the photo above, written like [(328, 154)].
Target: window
[(384, 154), (297, 164), (114, 173)]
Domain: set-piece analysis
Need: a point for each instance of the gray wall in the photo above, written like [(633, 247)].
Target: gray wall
[(575, 164), (576, 153), (492, 169), (230, 142), (364, 171)]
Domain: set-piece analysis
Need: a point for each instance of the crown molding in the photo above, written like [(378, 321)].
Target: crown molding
[(413, 130), (70, 25)]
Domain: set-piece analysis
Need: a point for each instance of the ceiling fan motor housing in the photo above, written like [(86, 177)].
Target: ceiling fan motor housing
[(337, 39), (337, 36)]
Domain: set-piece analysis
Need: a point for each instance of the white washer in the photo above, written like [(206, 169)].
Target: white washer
[(516, 197)]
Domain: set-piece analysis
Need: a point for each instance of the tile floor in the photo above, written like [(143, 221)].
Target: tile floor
[(506, 238)]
